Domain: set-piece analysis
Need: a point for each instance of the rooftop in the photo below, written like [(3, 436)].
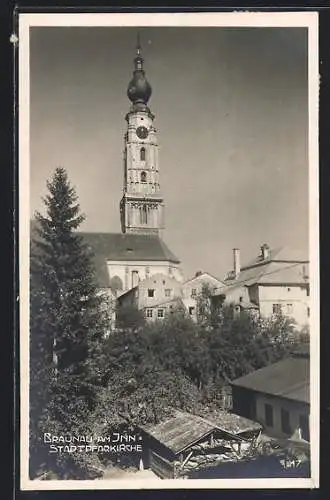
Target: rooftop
[(185, 429), (288, 378), (230, 422), (180, 431), (279, 254), (281, 266), (203, 275), (123, 247)]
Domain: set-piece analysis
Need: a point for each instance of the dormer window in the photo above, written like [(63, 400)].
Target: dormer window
[(143, 176), (142, 154)]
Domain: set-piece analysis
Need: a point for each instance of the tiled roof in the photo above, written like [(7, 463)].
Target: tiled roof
[(201, 276), (180, 431), (122, 247), (131, 247), (279, 268), (247, 305), (288, 378), (280, 254)]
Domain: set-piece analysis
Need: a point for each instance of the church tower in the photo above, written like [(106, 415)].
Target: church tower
[(141, 207), (137, 253)]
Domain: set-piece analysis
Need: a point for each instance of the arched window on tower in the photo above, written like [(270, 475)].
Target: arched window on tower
[(142, 154), (143, 177), (144, 214)]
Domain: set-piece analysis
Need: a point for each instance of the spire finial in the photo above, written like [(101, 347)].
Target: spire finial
[(139, 89), (138, 44)]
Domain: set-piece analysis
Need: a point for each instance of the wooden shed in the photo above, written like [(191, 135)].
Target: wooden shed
[(186, 440)]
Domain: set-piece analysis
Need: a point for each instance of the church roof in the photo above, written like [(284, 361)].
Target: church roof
[(130, 247), (122, 247), (125, 247)]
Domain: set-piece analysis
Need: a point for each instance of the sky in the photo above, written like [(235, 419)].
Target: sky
[(231, 111)]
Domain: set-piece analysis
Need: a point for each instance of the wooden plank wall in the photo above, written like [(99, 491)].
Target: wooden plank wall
[(160, 466)]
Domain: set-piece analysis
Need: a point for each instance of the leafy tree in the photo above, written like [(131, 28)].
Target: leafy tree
[(147, 376), (151, 368), (203, 305), (179, 345), (129, 317), (209, 308), (68, 323), (242, 343)]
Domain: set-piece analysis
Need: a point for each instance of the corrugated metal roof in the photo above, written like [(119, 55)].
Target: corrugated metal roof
[(288, 378)]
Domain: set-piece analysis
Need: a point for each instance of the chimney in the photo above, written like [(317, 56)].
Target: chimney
[(265, 251), (237, 264)]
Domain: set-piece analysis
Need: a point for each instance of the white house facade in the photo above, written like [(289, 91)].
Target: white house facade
[(274, 282)]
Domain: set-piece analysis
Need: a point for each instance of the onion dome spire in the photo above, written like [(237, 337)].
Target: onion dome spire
[(139, 89)]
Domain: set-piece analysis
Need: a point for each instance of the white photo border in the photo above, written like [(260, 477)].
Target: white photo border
[(211, 19)]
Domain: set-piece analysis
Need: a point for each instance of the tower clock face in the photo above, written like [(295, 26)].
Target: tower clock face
[(142, 132)]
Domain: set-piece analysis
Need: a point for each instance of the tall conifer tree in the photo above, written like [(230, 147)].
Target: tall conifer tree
[(68, 321)]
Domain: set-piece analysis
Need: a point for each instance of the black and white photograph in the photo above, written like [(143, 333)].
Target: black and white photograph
[(168, 229)]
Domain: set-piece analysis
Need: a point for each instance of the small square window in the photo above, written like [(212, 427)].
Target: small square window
[(151, 292), (277, 308), (168, 292), (160, 313), (149, 313)]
